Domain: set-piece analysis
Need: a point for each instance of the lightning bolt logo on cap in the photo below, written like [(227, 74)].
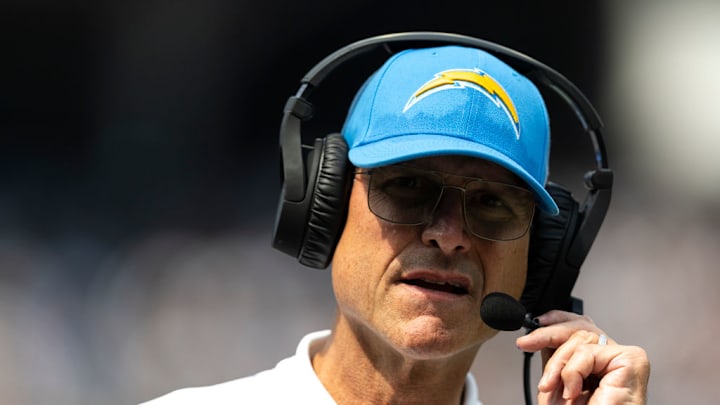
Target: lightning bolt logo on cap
[(468, 78)]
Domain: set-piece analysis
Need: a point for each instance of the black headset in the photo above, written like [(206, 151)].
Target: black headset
[(316, 179)]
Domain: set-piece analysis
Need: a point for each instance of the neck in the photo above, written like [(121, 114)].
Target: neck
[(356, 366)]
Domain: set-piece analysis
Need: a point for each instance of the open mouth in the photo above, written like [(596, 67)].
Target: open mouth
[(447, 287)]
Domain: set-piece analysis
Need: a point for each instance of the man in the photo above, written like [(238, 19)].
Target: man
[(451, 148)]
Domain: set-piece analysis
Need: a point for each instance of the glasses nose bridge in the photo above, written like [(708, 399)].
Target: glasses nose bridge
[(442, 194), (460, 189)]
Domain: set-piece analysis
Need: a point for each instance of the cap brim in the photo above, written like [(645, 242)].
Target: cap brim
[(406, 147)]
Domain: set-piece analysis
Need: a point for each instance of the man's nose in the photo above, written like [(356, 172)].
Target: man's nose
[(447, 229)]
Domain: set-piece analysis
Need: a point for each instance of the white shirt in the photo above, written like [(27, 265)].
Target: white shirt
[(293, 380)]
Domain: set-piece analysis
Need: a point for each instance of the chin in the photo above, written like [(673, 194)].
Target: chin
[(427, 339)]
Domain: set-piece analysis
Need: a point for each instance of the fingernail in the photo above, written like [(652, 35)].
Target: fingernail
[(566, 393)]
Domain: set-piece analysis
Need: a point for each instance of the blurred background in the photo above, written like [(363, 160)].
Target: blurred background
[(139, 175)]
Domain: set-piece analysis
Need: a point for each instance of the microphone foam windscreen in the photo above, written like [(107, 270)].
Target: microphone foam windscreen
[(502, 312)]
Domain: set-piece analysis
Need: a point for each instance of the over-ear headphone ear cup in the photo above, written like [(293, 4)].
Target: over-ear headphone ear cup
[(549, 279), (328, 208)]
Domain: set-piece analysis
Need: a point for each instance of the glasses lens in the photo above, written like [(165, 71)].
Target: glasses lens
[(403, 195), (498, 211)]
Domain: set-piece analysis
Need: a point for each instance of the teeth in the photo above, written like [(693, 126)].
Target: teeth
[(442, 283)]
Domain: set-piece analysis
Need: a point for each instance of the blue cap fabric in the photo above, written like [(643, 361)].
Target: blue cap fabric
[(452, 100)]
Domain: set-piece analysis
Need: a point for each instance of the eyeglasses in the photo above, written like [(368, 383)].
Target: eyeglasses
[(409, 196)]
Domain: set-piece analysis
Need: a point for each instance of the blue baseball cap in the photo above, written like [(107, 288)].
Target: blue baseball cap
[(452, 100)]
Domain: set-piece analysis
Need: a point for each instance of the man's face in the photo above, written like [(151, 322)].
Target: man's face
[(419, 287)]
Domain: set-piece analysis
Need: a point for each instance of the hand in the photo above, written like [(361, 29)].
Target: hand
[(577, 370)]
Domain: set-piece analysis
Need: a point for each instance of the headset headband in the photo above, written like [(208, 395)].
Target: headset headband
[(524, 64)]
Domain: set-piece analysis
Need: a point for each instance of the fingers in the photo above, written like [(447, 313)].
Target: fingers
[(571, 364), (581, 367), (597, 374), (557, 328)]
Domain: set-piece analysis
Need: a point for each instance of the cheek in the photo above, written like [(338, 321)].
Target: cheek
[(510, 264), (367, 242), (359, 233), (367, 249), (360, 257)]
